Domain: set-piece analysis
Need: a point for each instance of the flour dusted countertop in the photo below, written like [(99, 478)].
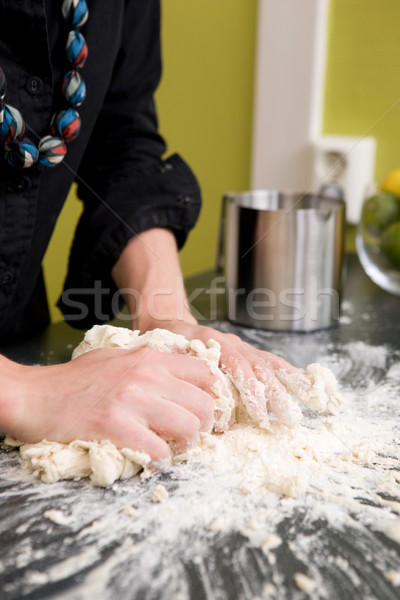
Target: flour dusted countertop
[(213, 529)]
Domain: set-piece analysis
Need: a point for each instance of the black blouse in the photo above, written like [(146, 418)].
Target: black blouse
[(117, 162)]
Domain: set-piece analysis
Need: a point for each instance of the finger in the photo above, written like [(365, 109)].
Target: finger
[(199, 403), (322, 392), (296, 381), (241, 373), (191, 369), (280, 377), (283, 406), (169, 420), (126, 432), (214, 410), (253, 374), (196, 387), (277, 363)]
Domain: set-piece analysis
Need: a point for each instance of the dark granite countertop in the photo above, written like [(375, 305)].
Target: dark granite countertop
[(90, 557)]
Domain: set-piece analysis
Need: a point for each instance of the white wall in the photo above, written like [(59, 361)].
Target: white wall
[(290, 65)]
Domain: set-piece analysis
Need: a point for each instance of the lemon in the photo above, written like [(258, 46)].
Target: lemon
[(390, 244), (391, 183), (379, 211)]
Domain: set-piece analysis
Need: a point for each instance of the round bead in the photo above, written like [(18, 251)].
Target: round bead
[(12, 126), (75, 12), (51, 151), (74, 88), (76, 49), (3, 85), (66, 124), (22, 154)]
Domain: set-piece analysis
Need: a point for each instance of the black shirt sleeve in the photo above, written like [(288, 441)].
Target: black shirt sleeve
[(123, 181)]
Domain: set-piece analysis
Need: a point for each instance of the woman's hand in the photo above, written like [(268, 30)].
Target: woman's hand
[(149, 265), (137, 399), (264, 380)]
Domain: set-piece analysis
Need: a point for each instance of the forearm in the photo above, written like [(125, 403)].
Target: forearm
[(149, 275)]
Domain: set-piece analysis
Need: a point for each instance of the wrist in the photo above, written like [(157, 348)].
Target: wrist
[(161, 308), (11, 395), (149, 277)]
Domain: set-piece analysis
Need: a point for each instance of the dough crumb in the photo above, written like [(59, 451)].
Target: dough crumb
[(36, 578), (58, 517), (393, 577), (394, 531), (130, 511), (269, 590), (270, 543), (160, 493), (23, 528), (218, 524), (305, 583)]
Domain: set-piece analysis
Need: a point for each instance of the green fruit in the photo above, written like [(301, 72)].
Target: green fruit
[(390, 244), (379, 211)]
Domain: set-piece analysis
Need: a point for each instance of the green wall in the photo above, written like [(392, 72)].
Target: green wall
[(362, 94), (205, 111), (205, 103)]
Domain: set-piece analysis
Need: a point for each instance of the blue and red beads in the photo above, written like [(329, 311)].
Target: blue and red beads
[(51, 150), (76, 49), (74, 88), (75, 12), (20, 152), (12, 125), (66, 124)]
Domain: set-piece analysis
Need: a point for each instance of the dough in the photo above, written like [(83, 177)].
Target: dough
[(104, 463), (304, 583)]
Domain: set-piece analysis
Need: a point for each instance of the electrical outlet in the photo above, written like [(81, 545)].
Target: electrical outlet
[(347, 163)]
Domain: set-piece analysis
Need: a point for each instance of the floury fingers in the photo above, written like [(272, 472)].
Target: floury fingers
[(316, 387)]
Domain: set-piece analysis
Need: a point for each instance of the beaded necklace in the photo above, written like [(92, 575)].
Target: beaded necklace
[(20, 151)]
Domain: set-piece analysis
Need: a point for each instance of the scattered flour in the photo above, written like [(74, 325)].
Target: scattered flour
[(251, 513), (234, 412)]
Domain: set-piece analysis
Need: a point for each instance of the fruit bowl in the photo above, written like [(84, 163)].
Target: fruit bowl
[(378, 239)]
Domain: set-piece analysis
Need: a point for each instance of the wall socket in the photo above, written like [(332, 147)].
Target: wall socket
[(348, 163)]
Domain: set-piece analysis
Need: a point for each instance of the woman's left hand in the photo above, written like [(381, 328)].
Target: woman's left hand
[(263, 379)]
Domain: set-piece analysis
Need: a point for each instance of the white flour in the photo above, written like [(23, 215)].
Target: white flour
[(235, 412), (321, 495)]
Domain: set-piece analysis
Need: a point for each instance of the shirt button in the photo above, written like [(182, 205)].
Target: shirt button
[(6, 278), (34, 85), (185, 200), (22, 184)]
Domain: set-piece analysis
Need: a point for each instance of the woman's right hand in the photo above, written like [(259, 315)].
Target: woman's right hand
[(137, 399)]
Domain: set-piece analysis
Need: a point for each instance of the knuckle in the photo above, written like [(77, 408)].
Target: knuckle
[(232, 337), (145, 374), (105, 418)]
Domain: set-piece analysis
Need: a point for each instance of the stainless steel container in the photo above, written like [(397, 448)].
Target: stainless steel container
[(282, 255)]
